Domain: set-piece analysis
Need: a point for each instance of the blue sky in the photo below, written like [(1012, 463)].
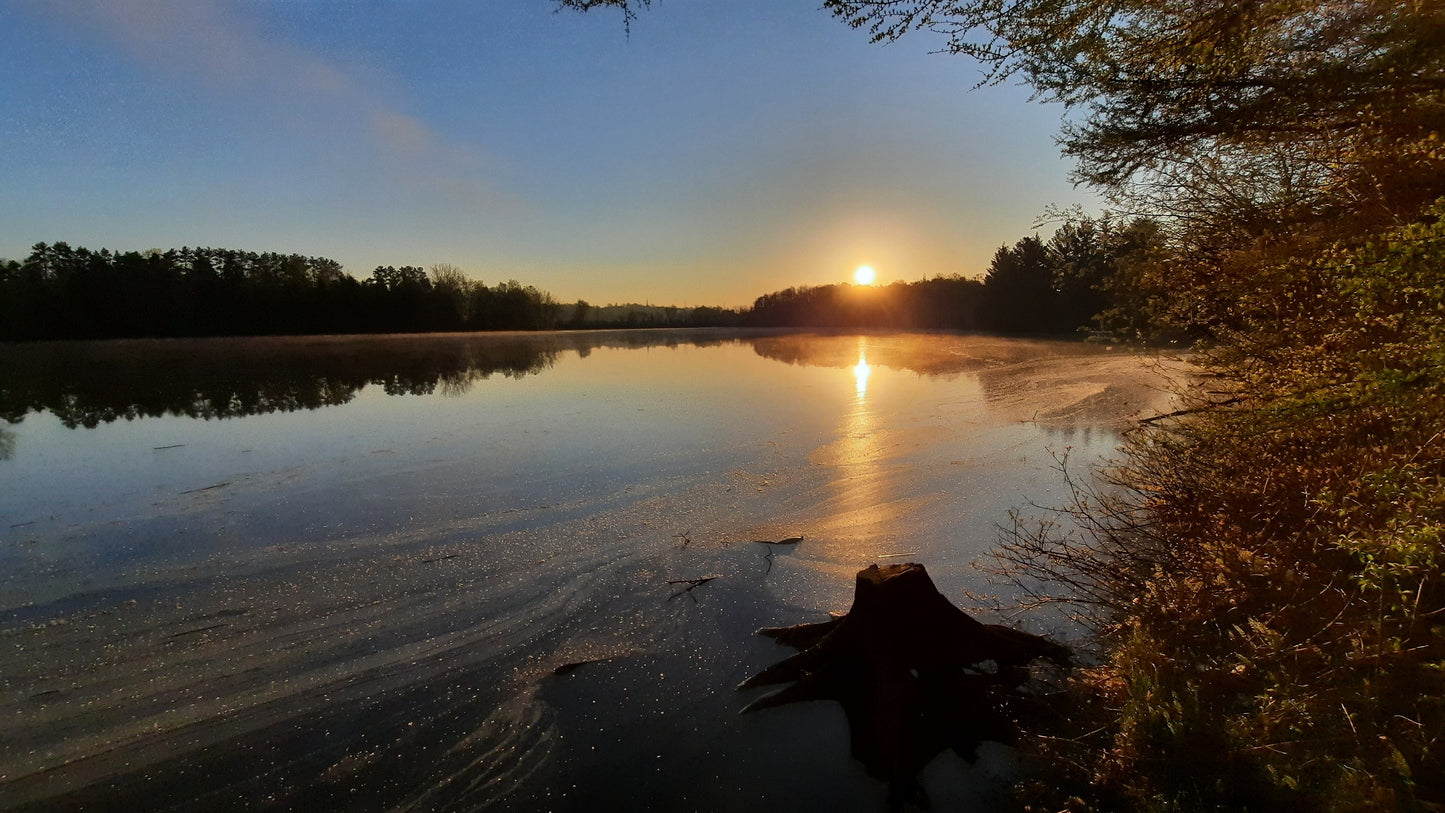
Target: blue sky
[(725, 149)]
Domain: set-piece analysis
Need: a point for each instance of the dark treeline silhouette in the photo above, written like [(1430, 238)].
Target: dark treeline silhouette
[(945, 302), (1082, 278), (1086, 276), (583, 315), (75, 293)]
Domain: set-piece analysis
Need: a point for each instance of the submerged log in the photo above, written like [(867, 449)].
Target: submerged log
[(914, 674)]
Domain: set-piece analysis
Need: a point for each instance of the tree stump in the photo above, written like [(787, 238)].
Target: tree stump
[(914, 674)]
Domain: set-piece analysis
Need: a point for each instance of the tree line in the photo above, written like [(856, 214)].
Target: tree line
[(1081, 278), (60, 292), (1085, 277)]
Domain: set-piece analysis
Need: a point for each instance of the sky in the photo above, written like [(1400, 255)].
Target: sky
[(720, 150)]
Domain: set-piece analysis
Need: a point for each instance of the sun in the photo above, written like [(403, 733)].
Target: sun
[(864, 275)]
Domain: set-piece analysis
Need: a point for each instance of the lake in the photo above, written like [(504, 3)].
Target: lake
[(451, 572)]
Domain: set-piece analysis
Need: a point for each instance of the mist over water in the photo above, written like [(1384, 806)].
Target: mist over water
[(345, 571)]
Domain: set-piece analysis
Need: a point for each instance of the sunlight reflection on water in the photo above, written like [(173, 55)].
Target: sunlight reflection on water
[(860, 373), (862, 498)]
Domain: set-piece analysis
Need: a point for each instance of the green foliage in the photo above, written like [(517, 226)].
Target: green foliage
[(1269, 577), (1233, 116)]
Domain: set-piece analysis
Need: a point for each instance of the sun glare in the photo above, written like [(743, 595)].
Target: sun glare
[(860, 374), (864, 275)]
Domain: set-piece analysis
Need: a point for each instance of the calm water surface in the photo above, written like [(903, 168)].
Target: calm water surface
[(342, 572)]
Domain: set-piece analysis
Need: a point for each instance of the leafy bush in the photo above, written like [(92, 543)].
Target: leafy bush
[(1268, 584)]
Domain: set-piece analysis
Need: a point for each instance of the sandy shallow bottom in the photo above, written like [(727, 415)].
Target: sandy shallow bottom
[(529, 652)]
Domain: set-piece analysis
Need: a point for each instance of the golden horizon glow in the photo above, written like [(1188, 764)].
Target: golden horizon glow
[(864, 275)]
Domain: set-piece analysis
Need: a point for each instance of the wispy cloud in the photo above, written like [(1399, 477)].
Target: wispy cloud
[(218, 46)]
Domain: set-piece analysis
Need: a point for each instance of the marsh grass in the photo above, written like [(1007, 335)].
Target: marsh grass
[(1263, 577)]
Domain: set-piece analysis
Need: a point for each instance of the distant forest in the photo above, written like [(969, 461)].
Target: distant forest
[(1079, 279), (60, 292), (1082, 278)]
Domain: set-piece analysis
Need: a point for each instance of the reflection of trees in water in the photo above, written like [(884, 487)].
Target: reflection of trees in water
[(1079, 435), (7, 443), (90, 383)]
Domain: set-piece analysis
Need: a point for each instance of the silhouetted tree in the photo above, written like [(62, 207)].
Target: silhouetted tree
[(579, 314), (1018, 289), (453, 288), (1082, 261)]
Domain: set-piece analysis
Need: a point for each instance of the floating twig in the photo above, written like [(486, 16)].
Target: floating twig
[(791, 540), (440, 558), (198, 629), (163, 448), (568, 667), (691, 584), (207, 488)]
